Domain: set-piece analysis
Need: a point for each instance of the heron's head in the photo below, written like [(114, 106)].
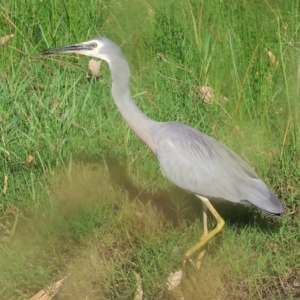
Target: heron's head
[(101, 47)]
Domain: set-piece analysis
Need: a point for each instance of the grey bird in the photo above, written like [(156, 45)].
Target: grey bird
[(187, 157)]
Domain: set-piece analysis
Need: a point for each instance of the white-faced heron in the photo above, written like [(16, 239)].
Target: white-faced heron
[(187, 157)]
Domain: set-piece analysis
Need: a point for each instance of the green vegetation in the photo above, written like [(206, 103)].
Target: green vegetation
[(86, 198)]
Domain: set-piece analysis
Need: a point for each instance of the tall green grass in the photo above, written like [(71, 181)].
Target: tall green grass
[(93, 203)]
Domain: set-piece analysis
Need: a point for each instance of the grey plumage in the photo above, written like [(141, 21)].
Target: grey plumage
[(210, 169)]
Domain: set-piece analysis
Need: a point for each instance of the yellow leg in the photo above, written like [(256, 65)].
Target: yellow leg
[(202, 253), (204, 219), (208, 236)]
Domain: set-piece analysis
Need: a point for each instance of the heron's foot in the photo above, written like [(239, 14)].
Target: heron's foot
[(196, 264), (204, 240)]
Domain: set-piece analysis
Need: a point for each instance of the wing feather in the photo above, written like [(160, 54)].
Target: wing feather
[(202, 165), (199, 163)]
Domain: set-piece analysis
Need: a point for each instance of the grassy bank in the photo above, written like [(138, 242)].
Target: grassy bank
[(85, 197)]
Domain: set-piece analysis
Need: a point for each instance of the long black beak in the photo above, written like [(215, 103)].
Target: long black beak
[(77, 48)]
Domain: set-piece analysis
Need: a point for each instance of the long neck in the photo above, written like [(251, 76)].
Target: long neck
[(141, 124)]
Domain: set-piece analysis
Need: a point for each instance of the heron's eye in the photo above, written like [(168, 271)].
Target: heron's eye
[(93, 45)]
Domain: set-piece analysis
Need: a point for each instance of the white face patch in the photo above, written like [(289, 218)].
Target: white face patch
[(96, 51)]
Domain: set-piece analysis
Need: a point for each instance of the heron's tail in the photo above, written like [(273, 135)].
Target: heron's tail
[(255, 191)]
